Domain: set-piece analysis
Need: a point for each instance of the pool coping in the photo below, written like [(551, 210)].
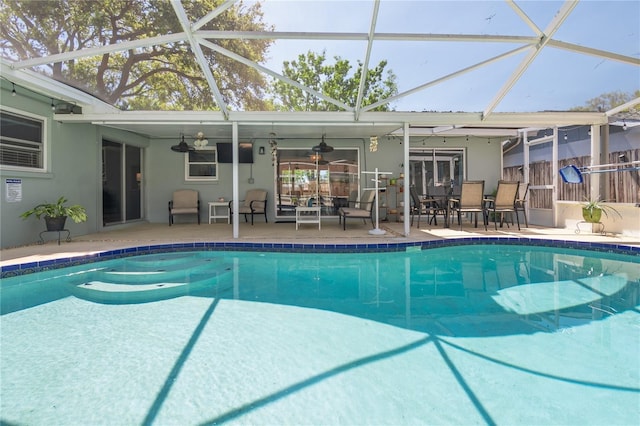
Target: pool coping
[(49, 264)]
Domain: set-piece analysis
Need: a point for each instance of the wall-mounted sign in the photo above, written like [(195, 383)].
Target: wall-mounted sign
[(13, 190)]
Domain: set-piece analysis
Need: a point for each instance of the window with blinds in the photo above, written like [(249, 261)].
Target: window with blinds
[(21, 141)]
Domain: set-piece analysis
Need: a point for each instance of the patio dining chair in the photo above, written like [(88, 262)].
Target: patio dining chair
[(503, 202), (427, 206), (471, 200), (521, 199)]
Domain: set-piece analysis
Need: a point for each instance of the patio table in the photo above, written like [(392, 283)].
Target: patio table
[(306, 214)]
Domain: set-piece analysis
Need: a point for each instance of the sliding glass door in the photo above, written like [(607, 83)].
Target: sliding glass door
[(306, 178), (436, 167), (121, 183)]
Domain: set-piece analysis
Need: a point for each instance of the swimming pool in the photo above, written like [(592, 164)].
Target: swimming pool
[(466, 334)]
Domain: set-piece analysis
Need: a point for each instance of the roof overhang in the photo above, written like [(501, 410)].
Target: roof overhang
[(334, 124)]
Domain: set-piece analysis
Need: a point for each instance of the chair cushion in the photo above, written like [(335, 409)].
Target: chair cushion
[(355, 212), (184, 211), (185, 199), (259, 195)]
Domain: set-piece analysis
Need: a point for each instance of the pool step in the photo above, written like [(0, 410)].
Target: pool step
[(136, 287), (104, 292), (165, 260), (184, 272)]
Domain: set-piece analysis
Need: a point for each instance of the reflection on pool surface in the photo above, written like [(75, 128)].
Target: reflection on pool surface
[(467, 334)]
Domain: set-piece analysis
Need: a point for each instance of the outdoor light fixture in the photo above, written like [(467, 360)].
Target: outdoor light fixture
[(322, 147), (182, 146), (261, 150), (624, 124), (274, 147), (66, 108), (13, 92), (565, 136), (53, 107), (373, 143)]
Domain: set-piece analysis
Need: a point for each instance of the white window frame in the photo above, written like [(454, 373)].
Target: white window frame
[(45, 141), (187, 168), (431, 155)]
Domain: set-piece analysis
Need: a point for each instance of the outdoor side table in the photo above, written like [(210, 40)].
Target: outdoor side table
[(215, 214), (307, 215)]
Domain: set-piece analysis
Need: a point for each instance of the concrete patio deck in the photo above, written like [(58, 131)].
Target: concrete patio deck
[(141, 234)]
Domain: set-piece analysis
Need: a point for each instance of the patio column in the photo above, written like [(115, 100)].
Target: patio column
[(554, 177), (406, 181), (236, 192), (596, 152)]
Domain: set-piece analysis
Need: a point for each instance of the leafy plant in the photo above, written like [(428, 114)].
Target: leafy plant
[(340, 81), (165, 70), (76, 212), (591, 208)]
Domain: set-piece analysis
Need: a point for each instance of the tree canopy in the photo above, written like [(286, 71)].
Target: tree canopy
[(159, 77), (334, 80), (607, 101), (168, 77)]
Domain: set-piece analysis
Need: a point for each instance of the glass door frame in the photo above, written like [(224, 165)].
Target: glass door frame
[(447, 167), (122, 184), (338, 173)]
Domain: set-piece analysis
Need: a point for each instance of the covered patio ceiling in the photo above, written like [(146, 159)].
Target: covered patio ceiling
[(462, 68)]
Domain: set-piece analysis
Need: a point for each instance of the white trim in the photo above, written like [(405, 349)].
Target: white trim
[(187, 163), (46, 165)]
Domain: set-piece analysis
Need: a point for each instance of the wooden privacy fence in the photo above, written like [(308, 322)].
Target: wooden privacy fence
[(624, 187)]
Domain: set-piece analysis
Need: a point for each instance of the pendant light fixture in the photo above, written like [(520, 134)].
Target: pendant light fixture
[(182, 146), (322, 147), (315, 157)]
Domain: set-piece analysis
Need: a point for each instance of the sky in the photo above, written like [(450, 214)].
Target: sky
[(556, 80)]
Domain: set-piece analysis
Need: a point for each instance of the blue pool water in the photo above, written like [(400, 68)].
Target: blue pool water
[(469, 334)]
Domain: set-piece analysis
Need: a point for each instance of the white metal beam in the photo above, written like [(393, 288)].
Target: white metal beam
[(594, 52), (623, 107), (554, 177), (445, 78), (281, 77), (406, 182), (235, 193), (343, 36), (367, 57), (524, 17), (213, 14), (512, 120), (101, 50), (460, 131), (551, 29), (200, 58)]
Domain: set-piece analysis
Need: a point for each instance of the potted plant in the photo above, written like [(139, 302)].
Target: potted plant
[(55, 214), (592, 210)]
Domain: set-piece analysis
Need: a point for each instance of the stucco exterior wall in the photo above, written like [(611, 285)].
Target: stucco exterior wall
[(72, 172)]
